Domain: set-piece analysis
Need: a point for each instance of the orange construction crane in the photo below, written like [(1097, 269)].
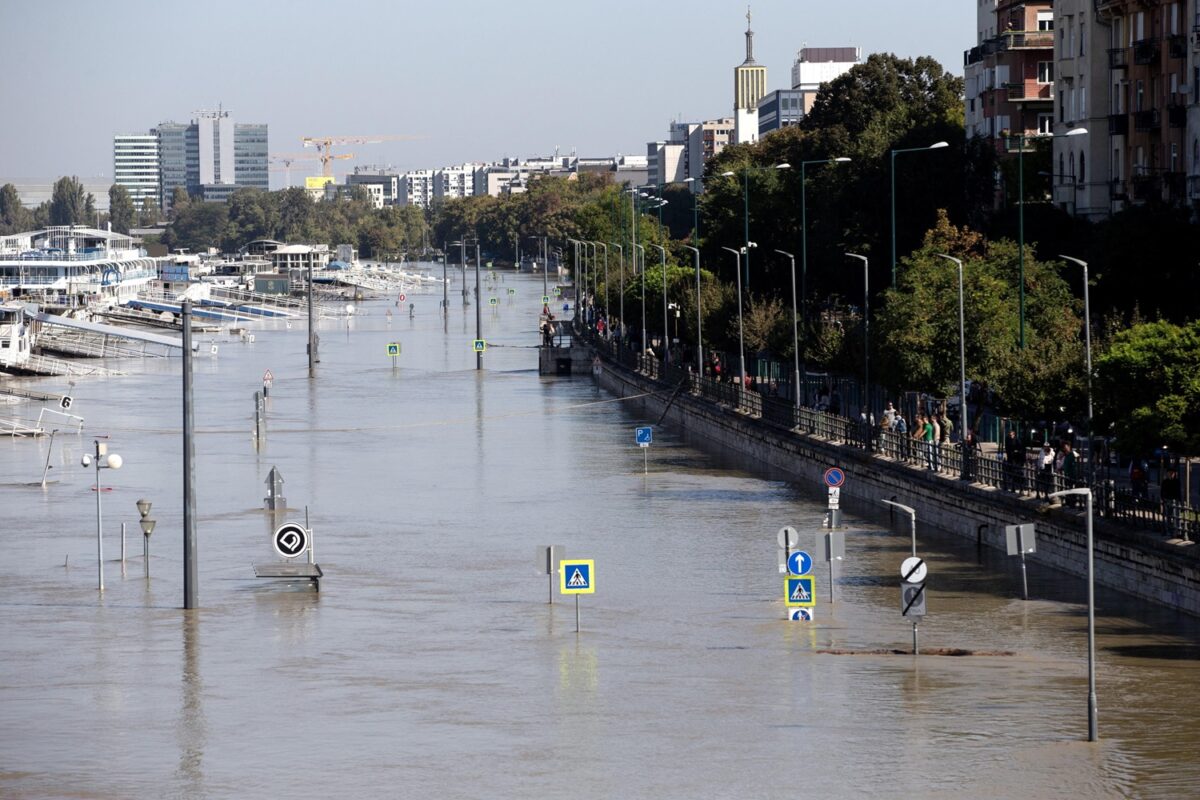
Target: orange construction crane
[(324, 145)]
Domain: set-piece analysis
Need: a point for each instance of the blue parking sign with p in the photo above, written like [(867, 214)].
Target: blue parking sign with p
[(644, 435)]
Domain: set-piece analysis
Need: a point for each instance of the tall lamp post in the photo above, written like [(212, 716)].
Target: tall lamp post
[(666, 330), (1021, 139), (795, 329), (1093, 726), (962, 371), (478, 309), (866, 329), (804, 256), (102, 460), (699, 321), (639, 249), (934, 146), (607, 311), (147, 524), (621, 299), (746, 205), (1087, 333), (580, 283), (737, 258)]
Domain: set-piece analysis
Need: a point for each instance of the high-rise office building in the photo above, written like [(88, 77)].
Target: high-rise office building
[(749, 85), (135, 166), (211, 157)]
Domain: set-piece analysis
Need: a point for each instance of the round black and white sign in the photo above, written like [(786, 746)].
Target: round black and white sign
[(290, 540)]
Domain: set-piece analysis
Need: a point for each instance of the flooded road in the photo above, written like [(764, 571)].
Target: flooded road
[(430, 664)]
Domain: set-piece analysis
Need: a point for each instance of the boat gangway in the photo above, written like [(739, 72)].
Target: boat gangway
[(92, 336)]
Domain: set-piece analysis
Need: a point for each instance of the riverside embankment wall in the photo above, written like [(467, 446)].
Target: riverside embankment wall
[(1135, 563)]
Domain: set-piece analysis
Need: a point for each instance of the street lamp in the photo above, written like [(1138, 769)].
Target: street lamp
[(580, 284), (934, 146), (866, 329), (804, 256), (795, 330), (1021, 137), (746, 204), (699, 322), (642, 250), (695, 210), (1087, 333), (607, 312), (962, 370), (666, 333), (737, 256), (102, 460), (1093, 727), (143, 507), (621, 299)]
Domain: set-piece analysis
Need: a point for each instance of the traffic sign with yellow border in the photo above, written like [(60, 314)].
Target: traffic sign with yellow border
[(577, 576), (798, 590)]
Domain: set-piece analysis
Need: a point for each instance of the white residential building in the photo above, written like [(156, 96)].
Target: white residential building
[(416, 188), (816, 65)]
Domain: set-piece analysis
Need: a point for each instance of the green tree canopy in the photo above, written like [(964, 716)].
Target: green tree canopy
[(1148, 387), (120, 208), (70, 204), (14, 217)]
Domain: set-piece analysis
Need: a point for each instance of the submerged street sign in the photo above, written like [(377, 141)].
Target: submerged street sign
[(290, 539), (578, 576), (798, 591), (912, 599), (643, 436)]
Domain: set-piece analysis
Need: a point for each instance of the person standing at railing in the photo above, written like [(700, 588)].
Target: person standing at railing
[(1045, 471), (900, 429), (1014, 462), (1171, 493), (935, 446)]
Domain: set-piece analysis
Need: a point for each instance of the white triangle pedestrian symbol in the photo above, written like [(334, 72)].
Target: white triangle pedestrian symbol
[(799, 593), (577, 580)]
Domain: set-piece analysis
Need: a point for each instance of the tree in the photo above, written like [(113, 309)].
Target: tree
[(14, 217), (120, 208), (197, 226), (180, 199), (1148, 387), (149, 214), (917, 338), (70, 204)]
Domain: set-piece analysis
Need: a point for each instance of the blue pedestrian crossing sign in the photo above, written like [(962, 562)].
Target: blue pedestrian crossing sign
[(492, 301), (799, 563), (798, 591), (393, 349), (545, 299), (577, 576), (479, 346), (643, 436)]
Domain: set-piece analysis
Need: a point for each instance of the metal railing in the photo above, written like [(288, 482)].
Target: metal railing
[(1116, 503)]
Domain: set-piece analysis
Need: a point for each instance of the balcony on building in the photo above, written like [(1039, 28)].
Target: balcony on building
[(1147, 51), (1148, 120), (973, 56), (1177, 115), (1177, 46), (1118, 124), (1026, 40), (1118, 58), (1028, 92)]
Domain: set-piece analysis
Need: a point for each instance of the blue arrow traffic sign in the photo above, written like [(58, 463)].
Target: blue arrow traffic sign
[(799, 563)]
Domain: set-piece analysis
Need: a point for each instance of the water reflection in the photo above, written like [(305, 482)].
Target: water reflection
[(191, 730)]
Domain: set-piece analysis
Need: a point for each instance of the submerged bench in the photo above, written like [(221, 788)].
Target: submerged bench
[(304, 571)]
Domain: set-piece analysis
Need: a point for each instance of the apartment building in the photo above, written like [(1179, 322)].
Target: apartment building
[(135, 166), (1152, 91)]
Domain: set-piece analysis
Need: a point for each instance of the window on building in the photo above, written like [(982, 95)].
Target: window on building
[(1082, 169), (1196, 155), (1083, 102), (1082, 37), (1062, 170), (1139, 95), (1045, 20), (1045, 123), (1115, 167), (1062, 108), (1174, 17), (1072, 172), (1174, 157), (1045, 72)]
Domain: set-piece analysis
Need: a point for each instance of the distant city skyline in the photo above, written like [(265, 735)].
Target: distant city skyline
[(476, 81)]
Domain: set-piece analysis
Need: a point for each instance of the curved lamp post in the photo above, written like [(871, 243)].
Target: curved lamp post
[(737, 257), (699, 322), (866, 329), (962, 370), (746, 205), (934, 146), (666, 333)]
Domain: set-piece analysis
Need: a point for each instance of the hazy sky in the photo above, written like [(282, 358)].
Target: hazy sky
[(476, 79)]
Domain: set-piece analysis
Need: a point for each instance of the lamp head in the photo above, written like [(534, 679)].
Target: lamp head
[(86, 460), (938, 145), (148, 526), (841, 159), (784, 165), (143, 507), (1076, 132), (114, 461), (728, 174)]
